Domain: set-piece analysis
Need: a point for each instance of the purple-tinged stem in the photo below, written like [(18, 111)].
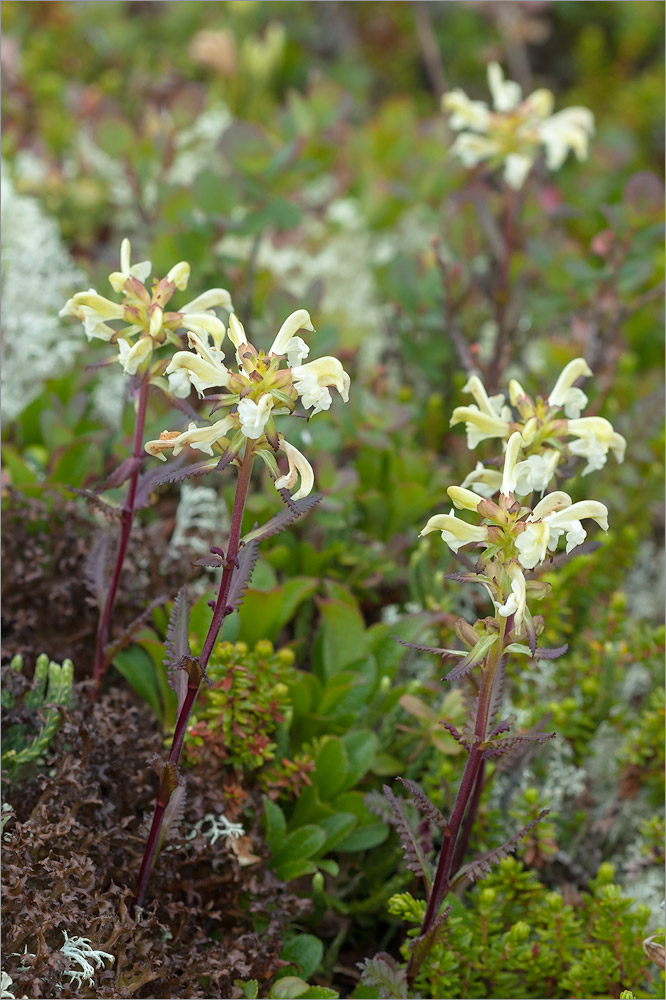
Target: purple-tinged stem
[(465, 796), (127, 518), (219, 614)]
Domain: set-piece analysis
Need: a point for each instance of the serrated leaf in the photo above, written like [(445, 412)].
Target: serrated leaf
[(425, 806), (175, 473), (422, 945), (415, 858), (96, 569), (479, 868), (294, 510), (96, 502), (421, 649), (385, 974), (475, 656), (177, 645), (247, 559), (120, 474)]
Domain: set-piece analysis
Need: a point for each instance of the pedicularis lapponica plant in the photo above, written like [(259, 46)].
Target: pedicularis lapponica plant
[(263, 386), (515, 532)]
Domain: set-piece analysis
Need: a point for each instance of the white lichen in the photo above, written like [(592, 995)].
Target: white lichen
[(38, 274)]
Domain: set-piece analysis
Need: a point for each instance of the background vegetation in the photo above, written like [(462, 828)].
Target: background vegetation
[(295, 154)]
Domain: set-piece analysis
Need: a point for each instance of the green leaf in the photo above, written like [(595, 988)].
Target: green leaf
[(250, 988), (364, 838), (137, 668), (319, 993), (331, 768), (289, 988), (295, 869), (305, 951), (302, 843), (342, 638), (360, 747), (276, 825), (336, 828)]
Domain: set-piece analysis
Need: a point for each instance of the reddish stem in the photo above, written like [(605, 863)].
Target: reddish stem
[(219, 614), (466, 794), (127, 518)]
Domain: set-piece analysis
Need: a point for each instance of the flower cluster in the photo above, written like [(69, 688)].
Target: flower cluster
[(512, 133), (145, 322), (544, 435), (515, 537), (263, 386)]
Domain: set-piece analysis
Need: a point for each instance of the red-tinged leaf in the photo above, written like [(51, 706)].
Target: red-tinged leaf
[(505, 745), (228, 455), (422, 945), (473, 658), (286, 517), (466, 578), (416, 859), (210, 562), (96, 569), (149, 481), (177, 645), (479, 868), (425, 806), (544, 653), (174, 473), (502, 727), (96, 503), (119, 475), (423, 649), (247, 559)]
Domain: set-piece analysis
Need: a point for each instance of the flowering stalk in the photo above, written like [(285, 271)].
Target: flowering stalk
[(514, 535), (195, 678), (258, 391), (144, 326), (127, 519)]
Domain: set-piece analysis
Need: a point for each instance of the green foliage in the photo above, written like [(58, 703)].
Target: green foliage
[(236, 718), (51, 687), (514, 936)]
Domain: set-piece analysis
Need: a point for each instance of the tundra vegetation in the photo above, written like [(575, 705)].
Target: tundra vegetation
[(332, 495)]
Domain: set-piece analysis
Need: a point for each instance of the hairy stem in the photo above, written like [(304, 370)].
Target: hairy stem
[(127, 518), (219, 614), (466, 793)]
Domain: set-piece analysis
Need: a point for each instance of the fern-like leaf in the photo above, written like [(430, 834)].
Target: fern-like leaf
[(170, 474), (422, 945), (415, 858), (383, 973), (96, 570), (286, 517), (479, 868), (425, 806), (422, 649), (247, 559), (378, 806), (501, 747), (96, 503), (177, 645), (119, 475)]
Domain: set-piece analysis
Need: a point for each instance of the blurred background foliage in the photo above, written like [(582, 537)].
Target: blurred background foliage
[(295, 153)]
